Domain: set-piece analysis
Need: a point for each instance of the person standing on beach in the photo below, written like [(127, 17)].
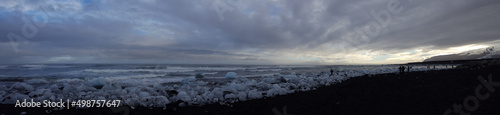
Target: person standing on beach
[(331, 71), (408, 69), (403, 69)]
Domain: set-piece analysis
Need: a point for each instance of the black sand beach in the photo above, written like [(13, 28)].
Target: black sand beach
[(427, 92)]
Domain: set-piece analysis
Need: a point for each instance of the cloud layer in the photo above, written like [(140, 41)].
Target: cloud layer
[(243, 32)]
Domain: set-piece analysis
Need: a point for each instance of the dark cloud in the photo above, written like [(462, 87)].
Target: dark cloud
[(256, 32)]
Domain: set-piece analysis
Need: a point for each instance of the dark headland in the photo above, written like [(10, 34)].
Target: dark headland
[(425, 92)]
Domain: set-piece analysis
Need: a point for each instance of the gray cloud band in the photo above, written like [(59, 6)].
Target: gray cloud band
[(372, 28), (29, 30), (264, 30)]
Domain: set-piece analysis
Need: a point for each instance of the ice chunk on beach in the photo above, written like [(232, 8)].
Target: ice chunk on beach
[(22, 87), (154, 101), (111, 87), (289, 78), (231, 75), (144, 94), (68, 87), (218, 93), (188, 80), (183, 96), (276, 90), (85, 88), (242, 96), (39, 92), (254, 94), (230, 96), (98, 81), (13, 97), (238, 87)]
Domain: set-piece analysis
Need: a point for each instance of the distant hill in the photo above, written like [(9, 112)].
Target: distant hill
[(454, 61), (487, 53)]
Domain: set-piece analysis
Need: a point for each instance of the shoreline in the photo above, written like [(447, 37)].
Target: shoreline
[(425, 92)]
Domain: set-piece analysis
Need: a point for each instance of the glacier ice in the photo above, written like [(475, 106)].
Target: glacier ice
[(231, 75)]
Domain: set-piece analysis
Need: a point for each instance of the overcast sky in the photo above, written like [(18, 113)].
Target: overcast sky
[(243, 31)]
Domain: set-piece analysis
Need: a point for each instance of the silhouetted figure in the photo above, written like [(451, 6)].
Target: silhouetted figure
[(331, 71), (403, 69), (408, 69), (400, 69), (434, 67)]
